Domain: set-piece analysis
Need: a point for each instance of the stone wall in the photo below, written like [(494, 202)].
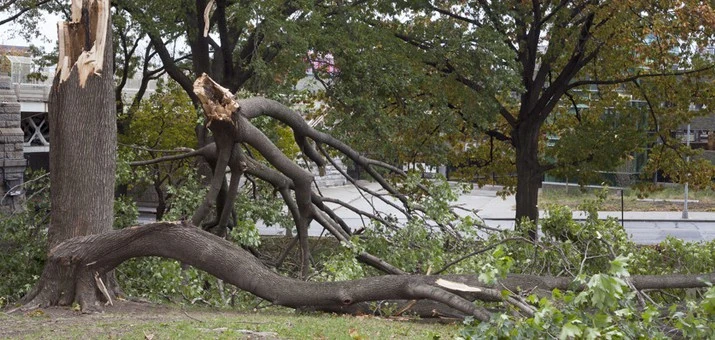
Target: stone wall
[(12, 161)]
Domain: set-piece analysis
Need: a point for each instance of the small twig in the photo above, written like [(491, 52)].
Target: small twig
[(22, 185), (362, 188), (359, 212), (17, 309), (585, 257), (640, 295), (477, 252), (511, 299), (523, 306), (405, 308), (103, 288), (662, 292), (137, 147), (285, 252), (191, 317), (566, 262)]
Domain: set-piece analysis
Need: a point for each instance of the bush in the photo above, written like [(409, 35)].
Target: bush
[(606, 309), (592, 253), (23, 239)]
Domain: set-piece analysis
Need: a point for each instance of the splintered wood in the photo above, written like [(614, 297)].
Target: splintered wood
[(82, 41), (217, 101)]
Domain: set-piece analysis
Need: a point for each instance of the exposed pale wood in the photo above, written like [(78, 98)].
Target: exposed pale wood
[(72, 37), (103, 288), (461, 287), (63, 63), (217, 101), (207, 17)]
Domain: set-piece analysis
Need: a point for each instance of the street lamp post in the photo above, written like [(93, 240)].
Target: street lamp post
[(687, 160)]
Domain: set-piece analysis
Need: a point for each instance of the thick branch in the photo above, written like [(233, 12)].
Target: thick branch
[(206, 151), (636, 77), (171, 68), (103, 252), (254, 107)]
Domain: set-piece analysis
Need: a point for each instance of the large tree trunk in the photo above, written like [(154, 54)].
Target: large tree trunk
[(528, 173), (83, 140)]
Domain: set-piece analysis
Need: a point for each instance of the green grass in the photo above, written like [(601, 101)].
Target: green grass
[(633, 200), (203, 324)]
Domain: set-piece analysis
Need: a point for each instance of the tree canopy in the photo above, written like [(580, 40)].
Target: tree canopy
[(483, 86), (24, 11)]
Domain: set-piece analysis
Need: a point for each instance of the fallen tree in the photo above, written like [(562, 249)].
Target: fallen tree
[(89, 257), (229, 120)]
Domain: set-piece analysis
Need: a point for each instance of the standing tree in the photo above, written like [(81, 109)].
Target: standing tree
[(84, 141), (491, 81)]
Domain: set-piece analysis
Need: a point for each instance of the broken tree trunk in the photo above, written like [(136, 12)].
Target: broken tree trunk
[(83, 139)]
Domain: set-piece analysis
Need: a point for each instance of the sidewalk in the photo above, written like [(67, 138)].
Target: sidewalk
[(504, 209)]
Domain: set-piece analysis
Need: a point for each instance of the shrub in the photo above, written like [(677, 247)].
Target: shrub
[(23, 239)]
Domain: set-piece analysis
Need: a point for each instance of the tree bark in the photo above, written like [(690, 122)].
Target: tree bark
[(229, 127), (83, 139), (528, 173)]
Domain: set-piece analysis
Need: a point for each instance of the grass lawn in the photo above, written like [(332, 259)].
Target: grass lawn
[(668, 199), (132, 320)]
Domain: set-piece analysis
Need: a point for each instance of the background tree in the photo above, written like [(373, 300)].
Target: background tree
[(247, 41), (14, 10), (490, 82)]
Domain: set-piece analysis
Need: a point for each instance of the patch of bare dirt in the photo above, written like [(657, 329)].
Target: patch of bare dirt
[(58, 322)]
